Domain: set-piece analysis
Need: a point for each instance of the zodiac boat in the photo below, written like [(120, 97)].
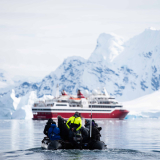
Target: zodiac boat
[(65, 144)]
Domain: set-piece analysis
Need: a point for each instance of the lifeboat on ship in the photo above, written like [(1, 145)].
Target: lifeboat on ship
[(72, 99), (78, 99)]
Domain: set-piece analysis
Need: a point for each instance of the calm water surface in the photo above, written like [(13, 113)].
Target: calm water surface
[(125, 139)]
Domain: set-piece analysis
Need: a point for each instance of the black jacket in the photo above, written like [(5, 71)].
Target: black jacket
[(47, 126), (95, 129)]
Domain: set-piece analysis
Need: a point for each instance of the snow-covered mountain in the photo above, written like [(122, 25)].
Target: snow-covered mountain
[(127, 70), (140, 64)]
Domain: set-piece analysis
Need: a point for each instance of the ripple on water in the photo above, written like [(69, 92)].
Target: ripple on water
[(116, 154)]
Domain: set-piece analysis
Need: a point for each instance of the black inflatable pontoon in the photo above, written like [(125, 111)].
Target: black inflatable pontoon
[(65, 144)]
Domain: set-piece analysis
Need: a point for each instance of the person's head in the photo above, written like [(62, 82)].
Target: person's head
[(94, 123), (77, 113), (59, 116), (86, 121), (50, 121)]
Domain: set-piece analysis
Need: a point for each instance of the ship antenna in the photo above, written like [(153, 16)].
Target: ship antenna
[(91, 119), (57, 91)]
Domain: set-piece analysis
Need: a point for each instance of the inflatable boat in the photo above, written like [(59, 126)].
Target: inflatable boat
[(79, 141), (59, 144)]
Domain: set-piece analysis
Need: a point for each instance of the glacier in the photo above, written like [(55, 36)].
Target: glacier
[(128, 70), (147, 106)]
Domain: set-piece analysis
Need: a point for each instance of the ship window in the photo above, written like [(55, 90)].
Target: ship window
[(63, 101), (98, 106), (50, 104), (61, 105)]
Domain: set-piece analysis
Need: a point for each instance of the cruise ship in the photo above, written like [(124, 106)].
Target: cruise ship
[(96, 105)]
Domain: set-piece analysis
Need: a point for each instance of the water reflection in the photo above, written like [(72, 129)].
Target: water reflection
[(140, 134)]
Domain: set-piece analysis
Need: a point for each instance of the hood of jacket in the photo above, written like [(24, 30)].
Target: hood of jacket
[(87, 123), (53, 125), (76, 115)]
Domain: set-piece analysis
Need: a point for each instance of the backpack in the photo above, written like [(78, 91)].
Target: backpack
[(53, 133)]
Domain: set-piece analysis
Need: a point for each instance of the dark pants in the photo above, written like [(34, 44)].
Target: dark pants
[(76, 144), (71, 134)]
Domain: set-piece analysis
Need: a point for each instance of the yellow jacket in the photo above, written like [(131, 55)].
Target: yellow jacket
[(74, 122)]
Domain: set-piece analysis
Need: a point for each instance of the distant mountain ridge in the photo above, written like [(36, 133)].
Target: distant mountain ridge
[(127, 70)]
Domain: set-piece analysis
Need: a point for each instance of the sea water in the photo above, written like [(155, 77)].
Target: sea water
[(125, 139)]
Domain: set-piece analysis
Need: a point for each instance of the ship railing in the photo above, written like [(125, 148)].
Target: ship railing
[(39, 104)]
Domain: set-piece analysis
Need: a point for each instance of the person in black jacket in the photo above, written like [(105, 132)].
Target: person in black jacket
[(95, 129), (48, 125)]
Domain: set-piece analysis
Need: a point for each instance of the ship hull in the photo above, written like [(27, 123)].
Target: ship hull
[(119, 114)]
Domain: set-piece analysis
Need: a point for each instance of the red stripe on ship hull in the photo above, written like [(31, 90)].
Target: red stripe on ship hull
[(115, 114)]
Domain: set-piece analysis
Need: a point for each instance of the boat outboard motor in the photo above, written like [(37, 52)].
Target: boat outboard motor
[(77, 140)]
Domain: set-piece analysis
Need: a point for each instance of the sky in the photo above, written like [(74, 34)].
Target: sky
[(37, 35)]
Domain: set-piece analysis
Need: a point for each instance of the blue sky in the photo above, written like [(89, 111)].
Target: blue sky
[(36, 35)]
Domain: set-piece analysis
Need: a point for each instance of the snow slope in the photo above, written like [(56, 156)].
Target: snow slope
[(146, 106)]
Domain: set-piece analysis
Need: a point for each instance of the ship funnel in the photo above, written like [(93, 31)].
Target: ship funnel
[(79, 94), (57, 91), (64, 93)]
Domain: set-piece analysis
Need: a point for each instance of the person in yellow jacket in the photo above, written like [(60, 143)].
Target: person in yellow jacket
[(74, 123)]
